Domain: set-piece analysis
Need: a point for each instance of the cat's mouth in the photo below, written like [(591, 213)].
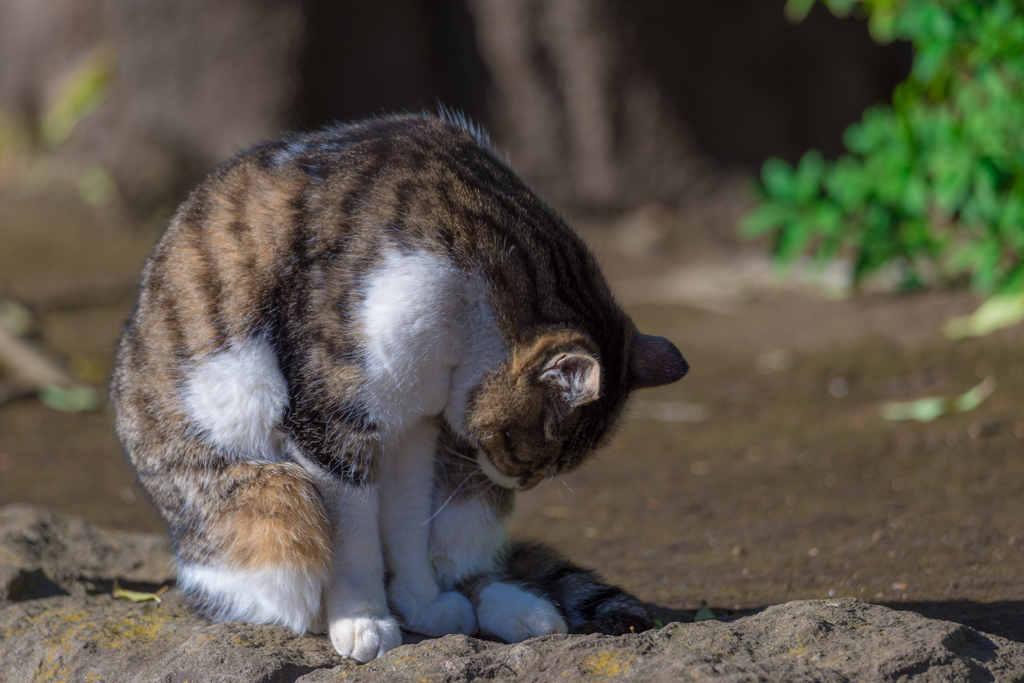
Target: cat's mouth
[(502, 480)]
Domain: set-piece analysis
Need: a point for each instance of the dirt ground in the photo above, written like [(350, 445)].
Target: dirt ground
[(765, 475)]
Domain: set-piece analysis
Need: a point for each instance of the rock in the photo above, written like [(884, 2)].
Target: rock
[(102, 639), (44, 554), (822, 640), (59, 622)]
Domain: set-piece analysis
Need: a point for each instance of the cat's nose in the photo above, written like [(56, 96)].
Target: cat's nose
[(527, 483)]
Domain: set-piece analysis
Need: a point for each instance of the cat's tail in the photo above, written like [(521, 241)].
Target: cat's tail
[(588, 604), (257, 545)]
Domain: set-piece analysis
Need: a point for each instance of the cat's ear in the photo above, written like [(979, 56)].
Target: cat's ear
[(573, 379), (575, 376), (655, 361)]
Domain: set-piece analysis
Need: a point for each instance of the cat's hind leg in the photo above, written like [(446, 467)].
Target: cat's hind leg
[(260, 552)]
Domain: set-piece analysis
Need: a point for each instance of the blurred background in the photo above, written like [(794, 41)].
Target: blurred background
[(604, 105), (831, 440)]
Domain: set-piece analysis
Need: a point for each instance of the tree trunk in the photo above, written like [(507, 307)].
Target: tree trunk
[(580, 116)]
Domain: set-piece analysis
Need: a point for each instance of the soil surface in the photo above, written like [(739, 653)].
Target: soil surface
[(766, 475)]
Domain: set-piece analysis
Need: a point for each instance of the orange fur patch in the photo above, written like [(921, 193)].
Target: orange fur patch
[(276, 518)]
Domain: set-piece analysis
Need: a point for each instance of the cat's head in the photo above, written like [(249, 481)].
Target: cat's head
[(555, 399)]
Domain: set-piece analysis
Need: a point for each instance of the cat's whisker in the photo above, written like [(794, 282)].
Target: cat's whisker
[(477, 488), (457, 454), (457, 489), (567, 486), (484, 481), (490, 485)]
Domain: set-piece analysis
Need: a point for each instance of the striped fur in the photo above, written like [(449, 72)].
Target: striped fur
[(319, 310)]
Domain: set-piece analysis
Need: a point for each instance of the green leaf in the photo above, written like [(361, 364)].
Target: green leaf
[(807, 181), (952, 169), (765, 218), (779, 180), (915, 194), (922, 410), (995, 313), (840, 8), (881, 25), (704, 613), (848, 183), (931, 407), (791, 241), (796, 10), (76, 399), (972, 398), (84, 90), (827, 217)]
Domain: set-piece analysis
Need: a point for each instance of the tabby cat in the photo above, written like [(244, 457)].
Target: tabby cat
[(350, 348)]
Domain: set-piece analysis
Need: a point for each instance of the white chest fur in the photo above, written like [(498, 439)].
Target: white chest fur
[(430, 337)]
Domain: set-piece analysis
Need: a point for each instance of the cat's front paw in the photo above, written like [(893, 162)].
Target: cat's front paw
[(365, 638), (449, 613), (515, 615)]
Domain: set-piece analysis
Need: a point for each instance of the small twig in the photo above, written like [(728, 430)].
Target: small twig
[(29, 365)]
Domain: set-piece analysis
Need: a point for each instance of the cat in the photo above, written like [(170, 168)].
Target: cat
[(325, 321)]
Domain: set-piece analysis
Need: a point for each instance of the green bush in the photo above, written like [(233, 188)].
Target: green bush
[(934, 182)]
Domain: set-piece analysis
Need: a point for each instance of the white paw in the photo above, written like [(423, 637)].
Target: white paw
[(450, 613), (365, 638), (514, 615)]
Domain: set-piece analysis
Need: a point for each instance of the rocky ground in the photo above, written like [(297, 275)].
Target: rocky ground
[(59, 622), (765, 476)]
